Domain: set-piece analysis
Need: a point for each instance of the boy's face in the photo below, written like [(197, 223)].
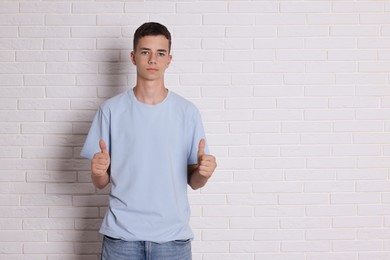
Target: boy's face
[(151, 57)]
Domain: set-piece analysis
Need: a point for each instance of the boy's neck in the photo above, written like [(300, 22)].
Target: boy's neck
[(150, 94)]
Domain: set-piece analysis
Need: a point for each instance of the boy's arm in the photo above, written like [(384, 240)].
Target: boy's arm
[(199, 174), (100, 165)]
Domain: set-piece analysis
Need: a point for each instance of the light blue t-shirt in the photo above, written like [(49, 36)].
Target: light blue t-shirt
[(150, 148)]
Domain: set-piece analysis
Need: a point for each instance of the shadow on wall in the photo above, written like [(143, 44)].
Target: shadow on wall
[(88, 204)]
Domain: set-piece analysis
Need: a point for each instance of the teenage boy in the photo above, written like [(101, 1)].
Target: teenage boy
[(149, 143)]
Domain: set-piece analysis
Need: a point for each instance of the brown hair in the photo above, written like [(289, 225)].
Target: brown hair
[(154, 29)]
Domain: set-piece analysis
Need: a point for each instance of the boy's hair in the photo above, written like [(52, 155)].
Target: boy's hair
[(151, 29)]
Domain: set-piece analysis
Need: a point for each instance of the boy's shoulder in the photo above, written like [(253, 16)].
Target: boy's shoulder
[(116, 101)]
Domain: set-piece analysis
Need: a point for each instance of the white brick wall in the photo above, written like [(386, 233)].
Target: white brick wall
[(295, 101)]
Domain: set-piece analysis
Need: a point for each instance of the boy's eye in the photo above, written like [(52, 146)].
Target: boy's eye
[(144, 52), (162, 54)]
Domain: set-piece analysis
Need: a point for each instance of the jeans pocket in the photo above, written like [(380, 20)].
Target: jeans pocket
[(112, 239), (182, 241)]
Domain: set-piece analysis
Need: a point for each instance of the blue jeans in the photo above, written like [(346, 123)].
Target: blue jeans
[(116, 249)]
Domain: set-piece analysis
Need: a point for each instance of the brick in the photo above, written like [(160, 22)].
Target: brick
[(209, 246), (10, 248), (280, 211), (252, 199), (361, 174), (356, 246), (67, 92), (9, 7), (256, 79), (280, 163), (223, 188), (119, 19), (358, 126), (333, 18), (227, 235), (254, 127), (255, 31), (254, 246), (24, 212), (310, 175), (305, 150), (227, 19), (43, 104), (47, 224), (177, 19), (303, 31), (331, 162), (196, 32), (279, 67), (358, 31), (69, 236), (22, 19), (73, 212), (352, 55), (259, 175), (331, 234), (306, 223), (51, 176), (273, 139), (228, 91), (356, 150), (46, 128), (10, 224), (279, 91), (48, 248), (302, 127), (300, 55), (70, 19), (43, 56), (22, 68), (372, 43), (227, 211), (306, 246), (354, 102), (22, 164), (97, 7), (312, 7), (44, 31), (304, 103), (278, 115), (280, 19), (330, 211), (49, 80), (12, 176), (329, 187), (8, 104), (361, 78), (303, 199), (32, 236), (335, 114), (355, 198), (374, 210), (253, 151), (330, 43), (213, 7), (8, 200), (374, 255)]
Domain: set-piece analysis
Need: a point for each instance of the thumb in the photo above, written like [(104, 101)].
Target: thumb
[(103, 146), (202, 143)]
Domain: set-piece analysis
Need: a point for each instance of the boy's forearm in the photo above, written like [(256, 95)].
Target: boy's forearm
[(100, 181), (195, 179)]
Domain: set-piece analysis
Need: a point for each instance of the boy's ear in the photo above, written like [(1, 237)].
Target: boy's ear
[(132, 57)]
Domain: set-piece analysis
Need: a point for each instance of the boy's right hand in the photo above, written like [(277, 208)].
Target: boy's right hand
[(100, 161)]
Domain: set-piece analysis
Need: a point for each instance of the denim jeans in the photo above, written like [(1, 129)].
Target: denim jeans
[(116, 249)]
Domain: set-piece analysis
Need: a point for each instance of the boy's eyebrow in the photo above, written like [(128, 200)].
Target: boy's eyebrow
[(148, 49)]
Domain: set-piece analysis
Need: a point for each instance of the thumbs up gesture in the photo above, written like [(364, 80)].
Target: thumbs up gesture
[(206, 162), (100, 161)]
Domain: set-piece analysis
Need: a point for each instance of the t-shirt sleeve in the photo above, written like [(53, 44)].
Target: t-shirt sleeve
[(99, 130), (196, 134)]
